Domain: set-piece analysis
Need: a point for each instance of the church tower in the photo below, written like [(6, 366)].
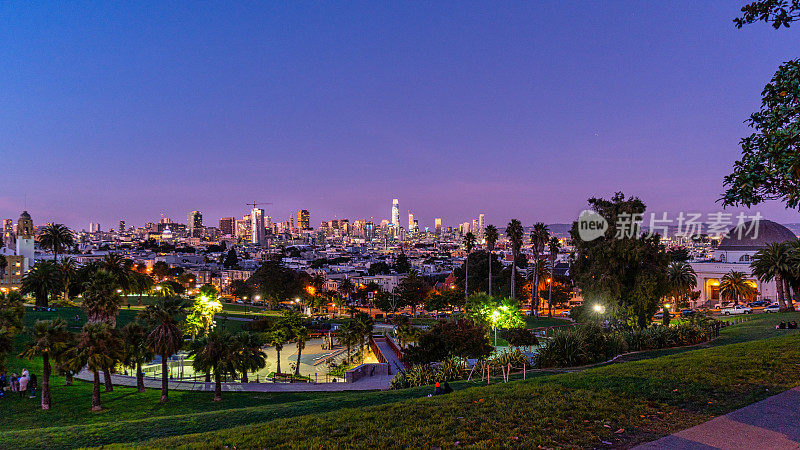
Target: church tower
[(25, 247)]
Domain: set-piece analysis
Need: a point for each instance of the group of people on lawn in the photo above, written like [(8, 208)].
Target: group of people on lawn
[(20, 384), (786, 326)]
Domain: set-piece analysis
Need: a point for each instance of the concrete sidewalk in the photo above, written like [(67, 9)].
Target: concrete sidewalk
[(772, 423), (364, 384)]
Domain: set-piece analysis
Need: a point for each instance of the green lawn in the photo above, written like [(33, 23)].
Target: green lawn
[(622, 404), (647, 398)]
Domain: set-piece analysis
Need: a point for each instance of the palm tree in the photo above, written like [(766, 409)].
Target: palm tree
[(553, 247), (163, 320), (43, 280), (734, 285), (277, 338), (101, 301), (301, 336), (364, 324), (250, 355), (514, 233), (141, 284), (346, 288), (491, 236), (215, 352), (117, 267), (70, 362), (135, 351), (791, 279), (540, 235), (469, 244), (97, 345), (68, 269), (50, 338), (682, 279), (347, 335), (56, 237)]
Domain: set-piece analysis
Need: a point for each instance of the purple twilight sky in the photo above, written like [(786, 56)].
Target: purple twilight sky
[(126, 110)]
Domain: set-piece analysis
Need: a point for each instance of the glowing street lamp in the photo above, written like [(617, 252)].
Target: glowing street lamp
[(495, 316), (598, 308)]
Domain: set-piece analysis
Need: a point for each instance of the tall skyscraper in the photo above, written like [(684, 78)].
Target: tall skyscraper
[(304, 219), (396, 213), (257, 226), (437, 225), (410, 222), (25, 246), (194, 224), (481, 226), (94, 227), (121, 227), (226, 226)]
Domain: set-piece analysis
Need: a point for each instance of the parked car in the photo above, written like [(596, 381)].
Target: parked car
[(773, 308), (758, 303), (687, 312), (660, 315), (737, 309)]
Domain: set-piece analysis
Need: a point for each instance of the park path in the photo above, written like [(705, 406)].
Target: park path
[(772, 423), (391, 357), (364, 384)]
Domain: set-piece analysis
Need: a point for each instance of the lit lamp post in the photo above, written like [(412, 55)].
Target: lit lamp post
[(495, 316), (598, 308)]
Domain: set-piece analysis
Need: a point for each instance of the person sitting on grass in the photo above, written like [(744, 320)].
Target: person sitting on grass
[(447, 388), (438, 390), (782, 325), (792, 325)]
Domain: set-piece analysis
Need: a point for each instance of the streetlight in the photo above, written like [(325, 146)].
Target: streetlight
[(495, 316), (598, 308)]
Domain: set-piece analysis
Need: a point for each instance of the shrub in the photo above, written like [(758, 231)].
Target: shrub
[(586, 344), (399, 381), (420, 375), (450, 369), (514, 357)]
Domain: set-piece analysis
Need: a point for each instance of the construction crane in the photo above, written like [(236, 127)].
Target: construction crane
[(254, 204)]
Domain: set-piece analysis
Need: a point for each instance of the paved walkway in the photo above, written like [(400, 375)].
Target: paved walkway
[(390, 356), (772, 423), (364, 384)]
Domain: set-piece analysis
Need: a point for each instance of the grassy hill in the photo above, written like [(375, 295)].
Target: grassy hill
[(622, 404)]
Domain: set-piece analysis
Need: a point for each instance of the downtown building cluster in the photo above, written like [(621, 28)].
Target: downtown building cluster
[(337, 249)]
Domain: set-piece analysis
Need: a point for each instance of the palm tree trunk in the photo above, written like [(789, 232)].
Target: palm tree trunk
[(466, 277), (278, 352), (96, 392), (535, 285), (139, 377), (779, 287), (490, 273), (46, 399), (550, 293), (244, 377), (297, 366), (68, 378), (164, 379), (217, 386), (514, 279), (107, 379), (788, 292)]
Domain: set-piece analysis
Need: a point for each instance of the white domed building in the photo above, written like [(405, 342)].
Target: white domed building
[(734, 253)]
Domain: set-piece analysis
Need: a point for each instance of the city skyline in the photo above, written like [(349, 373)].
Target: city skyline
[(125, 113)]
